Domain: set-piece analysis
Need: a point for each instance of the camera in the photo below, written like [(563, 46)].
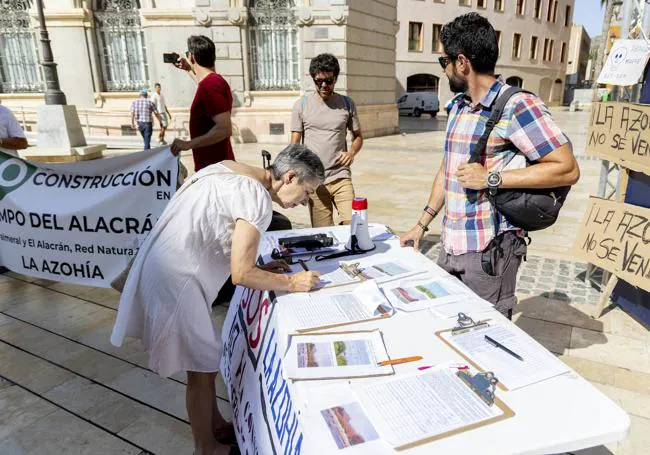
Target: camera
[(170, 57), (309, 242)]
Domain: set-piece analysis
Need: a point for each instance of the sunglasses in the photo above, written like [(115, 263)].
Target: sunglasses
[(326, 81), (444, 61)]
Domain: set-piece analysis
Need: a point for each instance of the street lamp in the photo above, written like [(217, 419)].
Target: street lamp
[(53, 93)]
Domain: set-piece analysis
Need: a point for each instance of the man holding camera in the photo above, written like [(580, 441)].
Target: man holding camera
[(321, 121), (210, 126)]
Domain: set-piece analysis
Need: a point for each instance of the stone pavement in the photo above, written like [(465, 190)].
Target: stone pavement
[(65, 389)]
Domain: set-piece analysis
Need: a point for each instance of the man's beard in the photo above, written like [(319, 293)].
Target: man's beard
[(457, 84)]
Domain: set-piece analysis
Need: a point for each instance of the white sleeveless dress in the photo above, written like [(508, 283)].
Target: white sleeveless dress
[(181, 267)]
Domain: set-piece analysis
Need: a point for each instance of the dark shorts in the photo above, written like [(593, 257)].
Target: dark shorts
[(491, 274)]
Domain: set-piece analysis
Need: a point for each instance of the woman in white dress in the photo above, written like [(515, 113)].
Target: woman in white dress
[(209, 230)]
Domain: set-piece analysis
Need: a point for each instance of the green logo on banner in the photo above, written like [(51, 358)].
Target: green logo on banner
[(13, 173)]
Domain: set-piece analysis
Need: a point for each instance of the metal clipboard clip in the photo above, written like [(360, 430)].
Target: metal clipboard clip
[(465, 324), (483, 384), (352, 269)]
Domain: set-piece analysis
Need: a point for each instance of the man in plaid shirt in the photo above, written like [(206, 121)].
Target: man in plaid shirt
[(142, 111), (487, 264)]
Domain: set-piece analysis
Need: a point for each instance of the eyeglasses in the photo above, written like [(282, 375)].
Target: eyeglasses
[(326, 81), (444, 61)]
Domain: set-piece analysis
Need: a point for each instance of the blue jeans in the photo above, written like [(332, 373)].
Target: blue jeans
[(146, 129)]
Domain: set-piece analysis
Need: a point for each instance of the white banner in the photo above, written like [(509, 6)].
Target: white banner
[(81, 222), (625, 63), (264, 409)]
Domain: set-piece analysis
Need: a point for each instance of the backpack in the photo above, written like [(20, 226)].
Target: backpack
[(526, 208)]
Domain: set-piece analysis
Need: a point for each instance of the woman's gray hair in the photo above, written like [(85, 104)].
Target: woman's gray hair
[(301, 160)]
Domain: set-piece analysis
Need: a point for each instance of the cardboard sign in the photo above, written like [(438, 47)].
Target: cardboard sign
[(616, 237), (625, 63), (620, 132)]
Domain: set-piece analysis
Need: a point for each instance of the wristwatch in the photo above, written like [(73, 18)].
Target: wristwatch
[(494, 182)]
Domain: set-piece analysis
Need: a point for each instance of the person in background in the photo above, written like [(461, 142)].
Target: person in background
[(142, 112), (12, 136), (210, 125), (165, 116), (321, 121), (210, 229)]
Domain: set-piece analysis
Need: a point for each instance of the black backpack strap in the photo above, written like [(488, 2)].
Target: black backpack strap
[(497, 108)]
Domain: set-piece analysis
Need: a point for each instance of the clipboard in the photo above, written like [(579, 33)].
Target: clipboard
[(505, 409), (465, 324), (383, 315), (352, 270), (483, 385)]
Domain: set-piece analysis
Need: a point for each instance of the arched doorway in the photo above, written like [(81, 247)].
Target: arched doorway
[(556, 96), (515, 81), (422, 83), (545, 86)]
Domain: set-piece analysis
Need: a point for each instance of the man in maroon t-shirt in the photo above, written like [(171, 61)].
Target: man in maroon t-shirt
[(210, 127)]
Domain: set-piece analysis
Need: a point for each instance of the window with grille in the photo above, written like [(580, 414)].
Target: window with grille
[(563, 53), (20, 70), (122, 46), (415, 36), (499, 5), (516, 45), (465, 2), (498, 33), (481, 3), (273, 45)]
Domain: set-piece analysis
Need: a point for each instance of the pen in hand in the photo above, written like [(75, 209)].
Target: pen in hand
[(496, 344)]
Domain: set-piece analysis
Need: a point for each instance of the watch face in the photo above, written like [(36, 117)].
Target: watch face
[(494, 179)]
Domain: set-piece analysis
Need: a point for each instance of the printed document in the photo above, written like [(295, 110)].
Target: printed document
[(311, 311), (538, 364), (445, 296), (412, 408), (336, 355)]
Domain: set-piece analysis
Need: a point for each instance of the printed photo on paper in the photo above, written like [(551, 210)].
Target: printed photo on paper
[(418, 293), (349, 425), (335, 354)]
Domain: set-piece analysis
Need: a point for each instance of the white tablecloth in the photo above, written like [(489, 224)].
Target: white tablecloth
[(272, 415)]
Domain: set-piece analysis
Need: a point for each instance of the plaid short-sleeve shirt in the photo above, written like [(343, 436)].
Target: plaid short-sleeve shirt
[(143, 109), (526, 132)]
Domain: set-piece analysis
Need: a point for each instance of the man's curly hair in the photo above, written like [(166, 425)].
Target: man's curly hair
[(473, 36), (324, 63)]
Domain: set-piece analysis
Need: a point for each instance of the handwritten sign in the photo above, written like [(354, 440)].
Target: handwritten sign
[(625, 63), (620, 132), (616, 237)]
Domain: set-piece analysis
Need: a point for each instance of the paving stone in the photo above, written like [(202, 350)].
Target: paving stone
[(610, 349), (554, 337), (19, 408), (61, 432)]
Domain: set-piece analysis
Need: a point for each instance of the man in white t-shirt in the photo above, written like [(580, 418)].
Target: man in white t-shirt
[(12, 136), (159, 100)]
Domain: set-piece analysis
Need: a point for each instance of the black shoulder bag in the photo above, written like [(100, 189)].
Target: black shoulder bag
[(525, 208)]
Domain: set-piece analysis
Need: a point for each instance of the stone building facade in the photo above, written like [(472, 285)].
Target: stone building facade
[(533, 40), (106, 50)]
